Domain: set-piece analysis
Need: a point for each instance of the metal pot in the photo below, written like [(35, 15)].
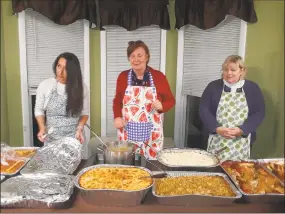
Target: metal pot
[(118, 153)]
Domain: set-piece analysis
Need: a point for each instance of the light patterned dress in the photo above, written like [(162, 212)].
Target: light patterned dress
[(232, 112)]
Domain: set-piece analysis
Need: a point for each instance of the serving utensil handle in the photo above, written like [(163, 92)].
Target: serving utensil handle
[(268, 170)]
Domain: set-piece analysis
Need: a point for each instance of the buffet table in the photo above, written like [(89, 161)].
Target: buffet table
[(150, 205)]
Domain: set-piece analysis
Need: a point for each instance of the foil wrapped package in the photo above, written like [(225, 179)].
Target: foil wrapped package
[(62, 157), (37, 191)]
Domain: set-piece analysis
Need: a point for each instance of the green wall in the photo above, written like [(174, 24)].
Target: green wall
[(264, 58), (265, 62), (4, 115), (95, 81), (95, 75), (171, 69), (12, 73)]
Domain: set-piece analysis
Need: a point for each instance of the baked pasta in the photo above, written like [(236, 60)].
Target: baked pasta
[(252, 178), (112, 178), (193, 185)]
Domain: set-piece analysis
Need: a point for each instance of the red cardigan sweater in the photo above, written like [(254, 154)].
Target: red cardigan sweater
[(164, 94)]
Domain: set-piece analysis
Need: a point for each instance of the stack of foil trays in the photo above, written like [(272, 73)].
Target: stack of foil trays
[(46, 180)]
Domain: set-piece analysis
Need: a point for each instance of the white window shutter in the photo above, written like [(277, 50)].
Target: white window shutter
[(45, 40), (117, 39), (205, 51)]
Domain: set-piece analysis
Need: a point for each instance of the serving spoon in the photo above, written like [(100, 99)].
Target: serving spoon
[(163, 174), (159, 175), (97, 137), (262, 165), (50, 131)]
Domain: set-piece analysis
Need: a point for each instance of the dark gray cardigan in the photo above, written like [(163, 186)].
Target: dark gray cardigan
[(210, 100)]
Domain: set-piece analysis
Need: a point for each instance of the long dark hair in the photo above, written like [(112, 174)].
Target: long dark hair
[(74, 84)]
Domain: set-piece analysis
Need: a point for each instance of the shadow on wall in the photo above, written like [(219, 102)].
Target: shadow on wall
[(266, 143)]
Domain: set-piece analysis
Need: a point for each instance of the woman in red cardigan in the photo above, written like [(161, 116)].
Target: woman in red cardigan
[(142, 95)]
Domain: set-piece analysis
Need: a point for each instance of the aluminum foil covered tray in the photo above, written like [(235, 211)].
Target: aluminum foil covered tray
[(62, 156), (111, 197), (255, 198), (37, 191), (165, 154), (191, 199), (17, 161)]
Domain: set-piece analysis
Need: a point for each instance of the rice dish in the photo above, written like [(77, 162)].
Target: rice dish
[(187, 158)]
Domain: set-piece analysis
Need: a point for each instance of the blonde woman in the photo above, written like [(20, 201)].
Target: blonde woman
[(231, 109)]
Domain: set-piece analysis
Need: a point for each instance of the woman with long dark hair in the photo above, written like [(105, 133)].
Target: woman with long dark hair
[(62, 102)]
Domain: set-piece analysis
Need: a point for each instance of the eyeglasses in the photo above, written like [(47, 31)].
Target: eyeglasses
[(138, 42)]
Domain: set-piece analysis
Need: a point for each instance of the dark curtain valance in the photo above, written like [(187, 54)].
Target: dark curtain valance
[(62, 12), (207, 14), (133, 14)]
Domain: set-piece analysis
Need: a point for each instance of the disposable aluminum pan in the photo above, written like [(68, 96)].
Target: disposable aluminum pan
[(190, 200), (2, 177), (166, 166), (258, 198), (105, 197), (267, 160), (62, 156), (37, 191), (26, 160)]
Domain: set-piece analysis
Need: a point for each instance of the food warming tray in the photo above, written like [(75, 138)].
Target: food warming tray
[(259, 198), (212, 168), (105, 197), (190, 200)]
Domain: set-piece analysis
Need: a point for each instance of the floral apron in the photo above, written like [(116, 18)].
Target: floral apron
[(232, 112), (143, 123)]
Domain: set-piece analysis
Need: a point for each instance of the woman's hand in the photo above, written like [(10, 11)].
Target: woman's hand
[(225, 132), (119, 123), (236, 131), (41, 134), (79, 134), (157, 105)]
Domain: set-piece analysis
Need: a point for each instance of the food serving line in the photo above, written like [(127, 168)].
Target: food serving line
[(45, 183)]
